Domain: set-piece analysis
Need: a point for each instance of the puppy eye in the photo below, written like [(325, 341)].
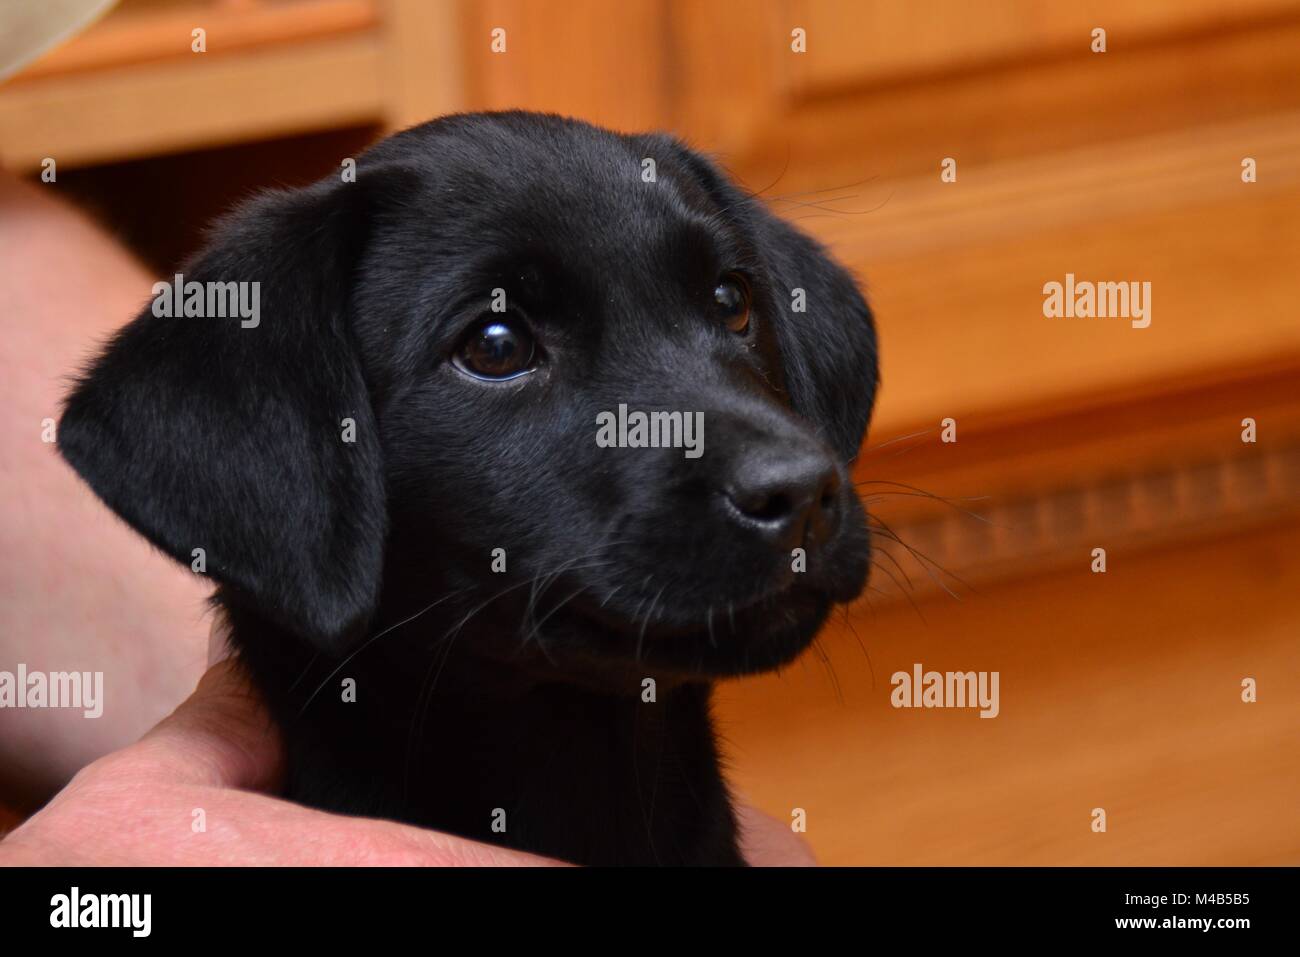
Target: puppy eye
[(732, 299), (497, 348)]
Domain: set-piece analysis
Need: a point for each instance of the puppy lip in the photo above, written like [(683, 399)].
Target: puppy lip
[(782, 589), (698, 623)]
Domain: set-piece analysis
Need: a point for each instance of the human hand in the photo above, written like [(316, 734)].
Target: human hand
[(214, 755), (219, 755)]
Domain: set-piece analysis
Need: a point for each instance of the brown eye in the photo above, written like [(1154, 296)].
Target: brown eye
[(732, 299), (498, 348)]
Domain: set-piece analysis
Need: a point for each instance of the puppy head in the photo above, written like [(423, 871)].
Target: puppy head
[(440, 397)]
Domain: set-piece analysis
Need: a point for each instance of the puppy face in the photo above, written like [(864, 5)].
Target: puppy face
[(490, 293)]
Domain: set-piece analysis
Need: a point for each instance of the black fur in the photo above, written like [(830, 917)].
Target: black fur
[(372, 560)]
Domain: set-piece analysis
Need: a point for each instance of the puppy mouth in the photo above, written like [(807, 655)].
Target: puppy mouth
[(639, 616), (655, 623), (719, 640)]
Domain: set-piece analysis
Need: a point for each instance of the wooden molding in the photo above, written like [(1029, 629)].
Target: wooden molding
[(1028, 496), (165, 107), (131, 38)]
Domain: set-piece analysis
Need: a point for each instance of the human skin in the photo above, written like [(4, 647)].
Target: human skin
[(79, 590), (209, 762)]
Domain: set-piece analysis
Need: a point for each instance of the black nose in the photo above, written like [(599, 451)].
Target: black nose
[(790, 498)]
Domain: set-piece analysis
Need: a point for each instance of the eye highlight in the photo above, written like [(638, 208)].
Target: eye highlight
[(732, 299), (498, 347)]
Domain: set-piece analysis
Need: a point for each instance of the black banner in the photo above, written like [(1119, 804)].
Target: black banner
[(333, 907)]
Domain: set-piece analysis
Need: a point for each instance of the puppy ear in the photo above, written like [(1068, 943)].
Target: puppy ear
[(227, 430), (824, 326), (827, 335)]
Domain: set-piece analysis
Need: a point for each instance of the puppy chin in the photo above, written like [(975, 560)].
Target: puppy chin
[(760, 637), (766, 636), (607, 645)]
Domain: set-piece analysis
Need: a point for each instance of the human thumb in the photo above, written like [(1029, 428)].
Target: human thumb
[(222, 735)]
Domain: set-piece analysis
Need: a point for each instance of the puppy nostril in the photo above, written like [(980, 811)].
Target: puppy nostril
[(787, 496), (770, 508), (830, 490)]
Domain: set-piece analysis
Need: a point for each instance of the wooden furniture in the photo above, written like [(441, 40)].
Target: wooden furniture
[(132, 85)]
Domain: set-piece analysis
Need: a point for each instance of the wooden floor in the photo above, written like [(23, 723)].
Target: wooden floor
[(1120, 691)]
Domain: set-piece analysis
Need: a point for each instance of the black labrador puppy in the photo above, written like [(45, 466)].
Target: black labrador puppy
[(501, 451)]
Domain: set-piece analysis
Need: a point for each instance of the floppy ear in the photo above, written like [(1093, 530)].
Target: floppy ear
[(829, 348), (226, 432)]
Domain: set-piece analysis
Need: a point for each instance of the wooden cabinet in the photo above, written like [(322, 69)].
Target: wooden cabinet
[(133, 85)]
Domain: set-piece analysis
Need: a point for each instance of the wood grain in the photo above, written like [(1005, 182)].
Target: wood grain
[(1120, 691)]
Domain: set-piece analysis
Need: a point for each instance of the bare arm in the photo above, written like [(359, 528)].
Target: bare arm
[(78, 589)]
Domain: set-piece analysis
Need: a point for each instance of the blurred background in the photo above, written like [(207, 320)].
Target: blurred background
[(1119, 690)]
